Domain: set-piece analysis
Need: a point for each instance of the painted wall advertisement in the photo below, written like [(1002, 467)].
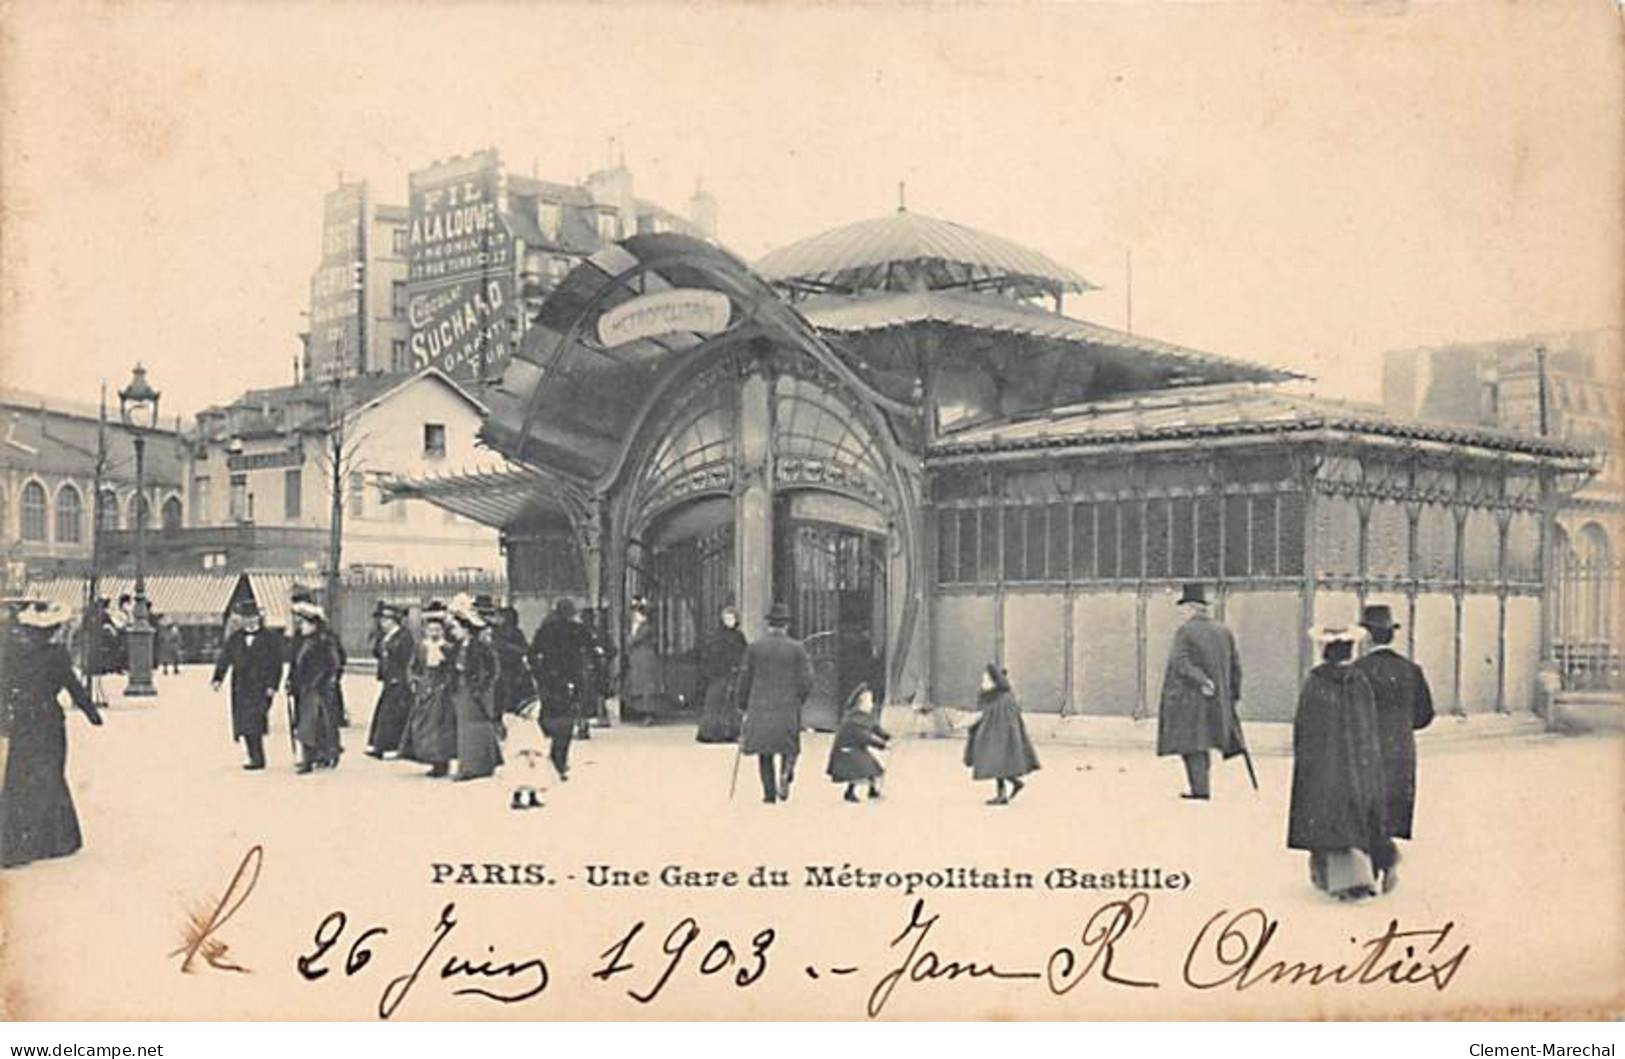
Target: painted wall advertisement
[(335, 332), (460, 273)]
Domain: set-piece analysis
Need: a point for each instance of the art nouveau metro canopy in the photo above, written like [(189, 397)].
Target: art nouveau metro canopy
[(616, 334)]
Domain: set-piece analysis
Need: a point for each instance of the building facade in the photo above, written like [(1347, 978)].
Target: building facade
[(48, 471), (263, 471), (1561, 385)]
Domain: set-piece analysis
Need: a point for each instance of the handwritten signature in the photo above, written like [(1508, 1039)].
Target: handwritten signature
[(202, 923)]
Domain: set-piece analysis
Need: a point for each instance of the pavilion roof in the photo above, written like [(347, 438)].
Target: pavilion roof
[(867, 255), (1196, 415)]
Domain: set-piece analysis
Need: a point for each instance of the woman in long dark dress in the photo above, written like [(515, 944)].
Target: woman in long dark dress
[(998, 748), (719, 668), (851, 757), (640, 690), (314, 679), (473, 693), (431, 728), (37, 818), (1337, 809)]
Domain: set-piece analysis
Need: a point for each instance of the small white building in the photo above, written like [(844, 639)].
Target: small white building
[(264, 465)]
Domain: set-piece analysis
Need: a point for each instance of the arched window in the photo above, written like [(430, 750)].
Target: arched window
[(107, 510), (172, 514), (140, 512), (70, 515), (34, 508)]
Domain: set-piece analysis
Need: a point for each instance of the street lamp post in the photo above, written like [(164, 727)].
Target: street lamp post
[(138, 408)]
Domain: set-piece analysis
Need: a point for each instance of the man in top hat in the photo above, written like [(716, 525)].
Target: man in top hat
[(253, 656), (775, 678), (1200, 689), (1404, 704), (560, 654)]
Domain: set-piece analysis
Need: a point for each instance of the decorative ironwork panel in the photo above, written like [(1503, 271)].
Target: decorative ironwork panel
[(818, 441), (1388, 541)]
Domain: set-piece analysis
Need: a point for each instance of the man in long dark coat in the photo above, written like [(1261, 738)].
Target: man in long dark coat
[(1404, 705), (1199, 693), (253, 656), (394, 651), (775, 679), (560, 653)]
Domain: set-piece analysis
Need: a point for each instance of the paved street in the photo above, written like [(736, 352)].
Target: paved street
[(1518, 845)]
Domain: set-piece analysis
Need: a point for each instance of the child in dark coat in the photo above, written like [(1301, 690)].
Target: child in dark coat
[(851, 760)]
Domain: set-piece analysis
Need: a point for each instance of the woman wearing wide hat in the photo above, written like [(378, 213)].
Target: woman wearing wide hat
[(851, 753), (37, 817), (998, 747), (1337, 807), (431, 728), (313, 680), (719, 668), (473, 692)]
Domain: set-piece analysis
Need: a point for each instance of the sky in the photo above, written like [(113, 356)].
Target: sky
[(1304, 185)]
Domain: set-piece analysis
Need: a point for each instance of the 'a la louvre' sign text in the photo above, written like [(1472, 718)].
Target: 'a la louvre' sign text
[(705, 312)]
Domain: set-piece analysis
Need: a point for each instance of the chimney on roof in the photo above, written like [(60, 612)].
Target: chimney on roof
[(702, 210)]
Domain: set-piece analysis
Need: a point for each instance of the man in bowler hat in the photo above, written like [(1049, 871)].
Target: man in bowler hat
[(775, 678), (1200, 689), (253, 656), (1404, 704)]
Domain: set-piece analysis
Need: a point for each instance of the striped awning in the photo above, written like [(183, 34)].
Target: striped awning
[(500, 498), (272, 589), (190, 599)]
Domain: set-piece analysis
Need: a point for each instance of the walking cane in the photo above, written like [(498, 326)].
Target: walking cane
[(293, 740)]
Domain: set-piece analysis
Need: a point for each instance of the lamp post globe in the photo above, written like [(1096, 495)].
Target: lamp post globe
[(138, 410)]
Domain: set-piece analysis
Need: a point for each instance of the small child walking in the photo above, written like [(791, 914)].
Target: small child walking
[(998, 747), (851, 757)]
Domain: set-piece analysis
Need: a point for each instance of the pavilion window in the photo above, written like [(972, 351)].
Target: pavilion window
[(1083, 541), (1106, 537), (1038, 543), (1436, 543), (1236, 539), (1182, 538), (968, 536), (1158, 538), (1131, 539), (990, 558), (1482, 547), (1264, 560), (947, 547), (1387, 541), (1060, 566), (1014, 544), (1289, 527), (1207, 528)]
